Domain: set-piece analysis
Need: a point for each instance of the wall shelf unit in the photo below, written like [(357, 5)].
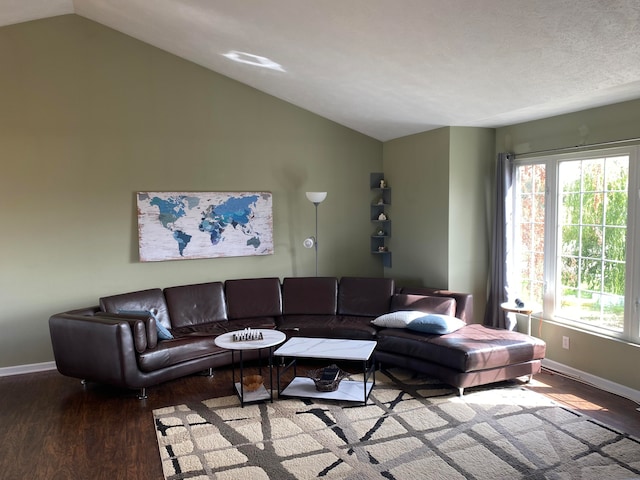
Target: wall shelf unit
[(381, 199)]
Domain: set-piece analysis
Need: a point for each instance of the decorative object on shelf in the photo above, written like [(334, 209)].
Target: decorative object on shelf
[(327, 379), (380, 201), (251, 383), (187, 225), (312, 242)]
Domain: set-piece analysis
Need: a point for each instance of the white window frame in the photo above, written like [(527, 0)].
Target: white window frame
[(631, 329)]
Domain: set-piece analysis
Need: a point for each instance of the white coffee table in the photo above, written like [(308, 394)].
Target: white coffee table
[(269, 339), (329, 349)]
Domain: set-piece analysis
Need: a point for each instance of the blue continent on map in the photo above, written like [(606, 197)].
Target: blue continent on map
[(236, 212), (171, 210)]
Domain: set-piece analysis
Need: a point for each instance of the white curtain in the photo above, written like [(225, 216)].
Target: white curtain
[(500, 246)]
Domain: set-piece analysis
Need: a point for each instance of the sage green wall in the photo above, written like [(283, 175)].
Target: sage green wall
[(417, 170), (439, 182), (91, 116), (471, 163), (613, 360)]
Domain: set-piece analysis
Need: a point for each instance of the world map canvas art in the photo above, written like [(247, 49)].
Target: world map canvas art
[(188, 225)]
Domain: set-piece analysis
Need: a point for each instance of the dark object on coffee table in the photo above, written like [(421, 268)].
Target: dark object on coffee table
[(327, 379)]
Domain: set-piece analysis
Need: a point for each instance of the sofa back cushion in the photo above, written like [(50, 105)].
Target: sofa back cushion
[(366, 297), (464, 301), (310, 296), (198, 304), (143, 300), (253, 297), (424, 303)]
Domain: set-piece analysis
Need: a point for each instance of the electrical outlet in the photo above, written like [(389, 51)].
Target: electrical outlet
[(565, 343)]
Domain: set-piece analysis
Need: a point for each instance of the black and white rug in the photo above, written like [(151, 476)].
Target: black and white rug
[(412, 428)]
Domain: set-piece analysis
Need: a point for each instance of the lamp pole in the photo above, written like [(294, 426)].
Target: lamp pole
[(316, 242)]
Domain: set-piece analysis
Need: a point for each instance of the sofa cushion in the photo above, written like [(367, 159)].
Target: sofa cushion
[(172, 352), (473, 347), (464, 301), (365, 297), (309, 295), (192, 305), (253, 297), (143, 300), (424, 303), (399, 319), (305, 325), (436, 324), (328, 326)]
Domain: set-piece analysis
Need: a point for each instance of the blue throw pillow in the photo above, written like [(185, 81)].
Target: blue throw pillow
[(163, 332), (436, 324)]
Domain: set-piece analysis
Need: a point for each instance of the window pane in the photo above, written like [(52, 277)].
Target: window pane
[(591, 241), (570, 208), (538, 207), (569, 274), (592, 249), (571, 240), (530, 229), (614, 278), (593, 175), (569, 176), (592, 208), (614, 243)]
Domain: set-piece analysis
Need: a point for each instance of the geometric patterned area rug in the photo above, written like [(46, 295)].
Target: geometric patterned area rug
[(411, 428)]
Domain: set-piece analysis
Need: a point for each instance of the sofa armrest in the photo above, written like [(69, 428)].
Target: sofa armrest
[(94, 348), (143, 326)]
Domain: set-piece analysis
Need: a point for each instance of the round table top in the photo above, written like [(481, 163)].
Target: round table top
[(269, 338), (512, 307)]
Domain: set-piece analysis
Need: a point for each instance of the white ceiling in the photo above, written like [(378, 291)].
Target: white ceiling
[(389, 68)]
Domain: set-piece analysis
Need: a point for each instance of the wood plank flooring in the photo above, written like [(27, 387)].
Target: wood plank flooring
[(52, 427)]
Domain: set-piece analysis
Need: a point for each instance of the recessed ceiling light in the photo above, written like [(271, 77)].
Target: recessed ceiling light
[(254, 60)]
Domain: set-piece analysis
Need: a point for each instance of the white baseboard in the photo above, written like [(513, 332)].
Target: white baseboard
[(598, 382), (30, 368)]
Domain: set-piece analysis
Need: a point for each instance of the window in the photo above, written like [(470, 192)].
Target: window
[(574, 237)]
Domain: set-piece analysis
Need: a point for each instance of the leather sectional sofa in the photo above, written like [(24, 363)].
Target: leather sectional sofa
[(116, 342)]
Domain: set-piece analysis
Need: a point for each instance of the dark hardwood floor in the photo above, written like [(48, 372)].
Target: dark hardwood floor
[(52, 427)]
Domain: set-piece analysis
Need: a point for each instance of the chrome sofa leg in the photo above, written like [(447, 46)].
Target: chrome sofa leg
[(460, 391), (83, 382), (142, 395), (211, 372)]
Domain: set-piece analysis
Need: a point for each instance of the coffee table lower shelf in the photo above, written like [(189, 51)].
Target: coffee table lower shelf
[(349, 390), (257, 395)]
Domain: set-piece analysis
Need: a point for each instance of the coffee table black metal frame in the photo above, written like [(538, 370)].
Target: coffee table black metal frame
[(329, 349)]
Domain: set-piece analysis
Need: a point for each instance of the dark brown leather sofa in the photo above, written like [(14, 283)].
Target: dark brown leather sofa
[(116, 342)]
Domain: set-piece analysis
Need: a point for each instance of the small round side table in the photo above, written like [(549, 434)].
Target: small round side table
[(525, 310), (267, 339)]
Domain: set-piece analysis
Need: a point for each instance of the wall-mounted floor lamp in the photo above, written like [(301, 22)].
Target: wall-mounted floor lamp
[(312, 242)]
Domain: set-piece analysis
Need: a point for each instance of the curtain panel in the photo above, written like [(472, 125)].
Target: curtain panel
[(501, 247)]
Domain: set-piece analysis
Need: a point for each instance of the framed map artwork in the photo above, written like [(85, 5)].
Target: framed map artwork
[(186, 225)]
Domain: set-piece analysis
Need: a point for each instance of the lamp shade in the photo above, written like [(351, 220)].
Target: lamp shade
[(316, 197)]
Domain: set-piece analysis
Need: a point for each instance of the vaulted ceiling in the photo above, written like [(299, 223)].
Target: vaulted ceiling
[(390, 68)]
